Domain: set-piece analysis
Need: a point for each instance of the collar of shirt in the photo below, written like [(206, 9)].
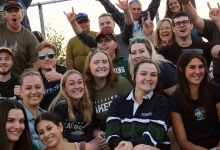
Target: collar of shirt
[(131, 97)]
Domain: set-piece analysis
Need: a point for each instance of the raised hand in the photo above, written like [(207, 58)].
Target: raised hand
[(148, 25), (123, 4), (71, 16), (52, 75), (214, 13), (17, 90)]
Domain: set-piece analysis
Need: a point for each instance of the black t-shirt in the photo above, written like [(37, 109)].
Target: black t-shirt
[(201, 130), (172, 52)]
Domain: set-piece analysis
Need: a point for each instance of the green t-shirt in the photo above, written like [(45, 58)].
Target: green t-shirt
[(106, 95), (23, 45), (78, 51)]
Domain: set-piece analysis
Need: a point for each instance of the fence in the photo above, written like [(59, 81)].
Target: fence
[(54, 17)]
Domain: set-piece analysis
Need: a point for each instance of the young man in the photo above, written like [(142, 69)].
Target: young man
[(105, 39), (25, 4), (9, 84), (22, 42), (210, 29), (135, 7), (106, 21), (76, 51), (50, 72), (182, 28)]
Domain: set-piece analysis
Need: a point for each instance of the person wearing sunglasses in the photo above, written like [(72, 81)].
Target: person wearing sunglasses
[(194, 107), (18, 38), (105, 39), (135, 6), (77, 51), (106, 21), (50, 72), (104, 85), (208, 28), (182, 27)]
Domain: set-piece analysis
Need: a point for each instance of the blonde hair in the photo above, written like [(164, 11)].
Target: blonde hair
[(157, 40), (85, 105)]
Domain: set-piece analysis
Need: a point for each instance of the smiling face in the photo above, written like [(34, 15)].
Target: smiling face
[(136, 10), (99, 65), (195, 71), (85, 25), (49, 133), (165, 32), (146, 78), (13, 17), (106, 23), (5, 63), (74, 86), (139, 52), (182, 31), (14, 125), (174, 6), (47, 62), (32, 90)]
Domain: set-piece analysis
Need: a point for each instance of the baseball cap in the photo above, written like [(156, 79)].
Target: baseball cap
[(107, 33), (81, 16), (12, 4), (4, 48)]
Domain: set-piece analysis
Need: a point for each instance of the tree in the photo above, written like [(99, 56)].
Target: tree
[(57, 39)]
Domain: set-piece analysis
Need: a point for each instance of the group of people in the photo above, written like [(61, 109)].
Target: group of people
[(129, 91)]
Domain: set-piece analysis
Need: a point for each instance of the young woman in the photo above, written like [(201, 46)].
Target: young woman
[(105, 84), (164, 34), (49, 128), (141, 48), (14, 126), (143, 123), (74, 108), (172, 7), (195, 105), (32, 91)]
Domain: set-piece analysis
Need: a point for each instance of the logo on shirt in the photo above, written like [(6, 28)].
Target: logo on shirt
[(146, 114), (200, 113), (120, 70), (14, 47), (104, 104)]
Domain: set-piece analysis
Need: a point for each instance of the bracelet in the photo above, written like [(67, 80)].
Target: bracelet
[(186, 1)]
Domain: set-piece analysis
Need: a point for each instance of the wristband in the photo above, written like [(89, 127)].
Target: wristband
[(186, 1)]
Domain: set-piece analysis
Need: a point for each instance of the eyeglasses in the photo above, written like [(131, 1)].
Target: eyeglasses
[(81, 15), (138, 38), (43, 56), (97, 48), (105, 32), (190, 51), (166, 28), (184, 23)]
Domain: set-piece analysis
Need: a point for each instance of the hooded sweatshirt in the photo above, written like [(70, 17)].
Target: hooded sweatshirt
[(7, 88)]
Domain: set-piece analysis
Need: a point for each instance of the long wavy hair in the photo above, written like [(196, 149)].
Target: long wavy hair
[(85, 105), (111, 78), (183, 90), (150, 49), (24, 141), (168, 13), (157, 39)]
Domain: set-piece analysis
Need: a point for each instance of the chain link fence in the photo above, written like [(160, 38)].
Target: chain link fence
[(53, 16)]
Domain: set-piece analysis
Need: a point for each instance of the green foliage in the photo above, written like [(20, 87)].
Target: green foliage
[(57, 39)]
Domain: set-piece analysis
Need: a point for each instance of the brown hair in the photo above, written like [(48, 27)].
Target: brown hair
[(45, 44), (111, 77)]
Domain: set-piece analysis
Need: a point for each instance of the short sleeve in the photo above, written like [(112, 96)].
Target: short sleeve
[(174, 104)]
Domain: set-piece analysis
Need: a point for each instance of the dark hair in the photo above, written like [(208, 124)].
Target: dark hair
[(24, 141), (50, 116), (179, 14), (158, 88), (168, 13), (39, 36), (183, 90)]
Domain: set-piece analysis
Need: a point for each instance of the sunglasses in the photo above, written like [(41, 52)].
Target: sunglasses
[(43, 56), (105, 32), (81, 15), (190, 51), (134, 1), (138, 38), (97, 48)]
